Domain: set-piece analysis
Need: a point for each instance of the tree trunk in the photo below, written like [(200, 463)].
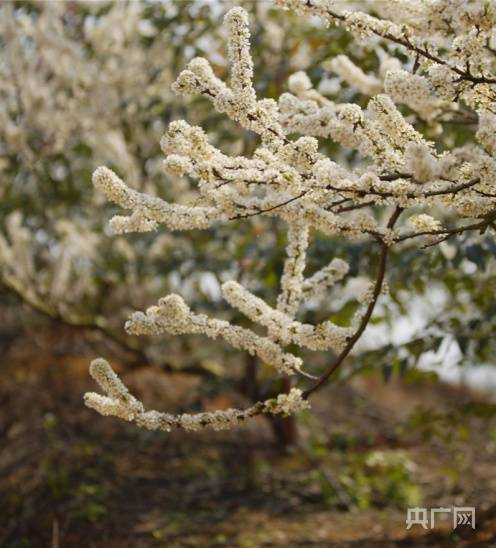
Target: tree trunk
[(249, 384), (285, 428)]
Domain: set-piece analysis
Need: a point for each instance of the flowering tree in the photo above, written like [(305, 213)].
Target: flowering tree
[(77, 82), (443, 70)]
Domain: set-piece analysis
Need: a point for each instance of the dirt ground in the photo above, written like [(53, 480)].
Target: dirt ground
[(69, 477)]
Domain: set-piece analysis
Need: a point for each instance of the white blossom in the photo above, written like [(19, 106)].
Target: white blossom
[(353, 75), (287, 404), (420, 162), (486, 132), (299, 83), (423, 222)]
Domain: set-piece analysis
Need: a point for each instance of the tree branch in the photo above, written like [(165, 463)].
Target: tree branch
[(366, 317), (90, 325), (423, 52)]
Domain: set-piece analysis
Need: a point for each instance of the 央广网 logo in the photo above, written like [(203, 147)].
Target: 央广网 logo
[(462, 515)]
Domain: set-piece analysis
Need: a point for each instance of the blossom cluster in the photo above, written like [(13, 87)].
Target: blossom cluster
[(172, 315)]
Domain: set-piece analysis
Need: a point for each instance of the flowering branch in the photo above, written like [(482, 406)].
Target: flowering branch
[(289, 178), (118, 402), (362, 24)]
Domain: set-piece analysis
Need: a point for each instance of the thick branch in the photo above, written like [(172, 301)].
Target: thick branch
[(366, 317)]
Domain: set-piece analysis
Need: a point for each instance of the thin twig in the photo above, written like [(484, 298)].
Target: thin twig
[(448, 232)]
